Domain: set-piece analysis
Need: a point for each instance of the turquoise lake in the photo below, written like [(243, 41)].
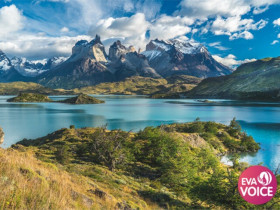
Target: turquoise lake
[(32, 120)]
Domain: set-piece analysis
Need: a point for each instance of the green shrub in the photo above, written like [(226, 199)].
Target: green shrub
[(62, 154)]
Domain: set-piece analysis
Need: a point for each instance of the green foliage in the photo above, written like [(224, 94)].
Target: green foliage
[(110, 147), (62, 154), (72, 126), (170, 165), (234, 128), (248, 143), (211, 127), (155, 146)]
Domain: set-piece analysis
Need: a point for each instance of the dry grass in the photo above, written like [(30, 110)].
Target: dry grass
[(27, 183)]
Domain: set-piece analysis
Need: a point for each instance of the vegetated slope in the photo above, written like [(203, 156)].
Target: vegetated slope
[(144, 86), (171, 166), (14, 88), (257, 80)]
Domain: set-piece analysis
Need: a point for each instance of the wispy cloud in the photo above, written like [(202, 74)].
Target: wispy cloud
[(218, 46)]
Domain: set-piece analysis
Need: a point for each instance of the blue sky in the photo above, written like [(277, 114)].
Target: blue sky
[(234, 31)]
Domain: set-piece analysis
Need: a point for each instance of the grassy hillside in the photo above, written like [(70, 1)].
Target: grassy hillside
[(256, 80), (143, 86), (15, 88), (172, 166)]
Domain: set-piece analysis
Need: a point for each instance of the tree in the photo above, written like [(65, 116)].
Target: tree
[(235, 160), (234, 128), (109, 147), (62, 154)]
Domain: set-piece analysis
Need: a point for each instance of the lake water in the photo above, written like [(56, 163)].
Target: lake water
[(32, 120)]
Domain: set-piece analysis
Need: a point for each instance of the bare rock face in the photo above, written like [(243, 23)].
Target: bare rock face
[(1, 136), (117, 50), (195, 140), (94, 50)]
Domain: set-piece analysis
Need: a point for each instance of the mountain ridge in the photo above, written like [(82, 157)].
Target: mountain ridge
[(90, 65), (257, 80)]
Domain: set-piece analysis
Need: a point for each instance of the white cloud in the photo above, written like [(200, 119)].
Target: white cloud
[(244, 35), (132, 30), (218, 46), (167, 27), (64, 30), (274, 42), (36, 46), (235, 27), (11, 20), (278, 36), (206, 8), (231, 61), (225, 8), (276, 22)]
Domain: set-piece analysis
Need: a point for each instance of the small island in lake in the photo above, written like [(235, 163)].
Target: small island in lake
[(35, 97), (82, 99), (30, 97)]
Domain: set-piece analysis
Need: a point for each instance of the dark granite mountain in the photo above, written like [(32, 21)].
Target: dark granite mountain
[(86, 66), (259, 80), (90, 65), (126, 62), (181, 56)]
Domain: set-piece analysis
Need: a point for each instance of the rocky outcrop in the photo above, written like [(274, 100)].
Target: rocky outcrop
[(117, 50), (94, 50), (195, 140), (132, 64), (87, 66)]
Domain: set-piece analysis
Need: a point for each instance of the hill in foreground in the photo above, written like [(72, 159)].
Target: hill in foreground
[(171, 166), (257, 80)]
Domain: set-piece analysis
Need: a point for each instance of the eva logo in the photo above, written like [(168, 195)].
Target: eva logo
[(257, 185), (265, 178)]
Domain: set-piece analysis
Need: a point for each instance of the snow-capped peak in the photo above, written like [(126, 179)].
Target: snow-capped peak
[(34, 68), (181, 44), (5, 63), (187, 46)]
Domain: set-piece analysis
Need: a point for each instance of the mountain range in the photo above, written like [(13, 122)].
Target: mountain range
[(89, 64)]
